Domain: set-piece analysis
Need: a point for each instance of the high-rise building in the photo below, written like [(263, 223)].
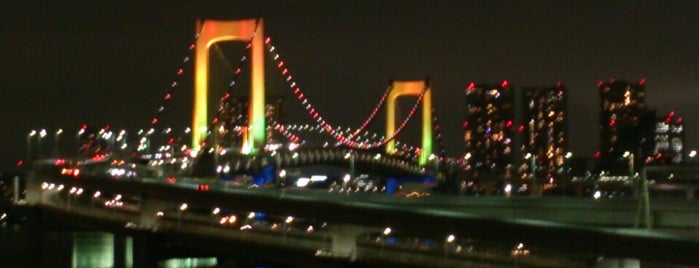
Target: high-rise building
[(489, 130), (626, 124), (543, 133), (669, 140), (233, 117)]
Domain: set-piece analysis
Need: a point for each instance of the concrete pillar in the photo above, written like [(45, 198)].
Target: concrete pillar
[(33, 187), (15, 189), (344, 239), (145, 253), (618, 263), (119, 251), (149, 209)]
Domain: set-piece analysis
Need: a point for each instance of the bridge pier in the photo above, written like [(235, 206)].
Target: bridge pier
[(144, 253), (344, 239), (149, 211), (32, 187)]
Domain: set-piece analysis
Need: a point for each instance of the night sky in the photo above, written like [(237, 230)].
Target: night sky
[(66, 63)]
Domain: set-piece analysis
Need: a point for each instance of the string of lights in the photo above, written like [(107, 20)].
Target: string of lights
[(328, 128), (167, 97)]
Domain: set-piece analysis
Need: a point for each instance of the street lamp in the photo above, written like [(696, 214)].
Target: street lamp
[(55, 143), (29, 145), (42, 134), (350, 155), (180, 212), (448, 240), (435, 158), (386, 232)]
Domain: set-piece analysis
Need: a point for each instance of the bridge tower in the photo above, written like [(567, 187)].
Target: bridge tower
[(213, 31), (414, 88)]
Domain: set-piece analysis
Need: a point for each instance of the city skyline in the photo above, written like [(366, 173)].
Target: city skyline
[(66, 68)]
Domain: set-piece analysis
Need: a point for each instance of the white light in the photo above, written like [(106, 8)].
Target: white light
[(245, 227), (42, 133), (315, 178), (597, 194), (79, 191), (295, 155), (302, 182), (73, 189), (183, 207), (97, 194), (377, 156), (467, 156), (117, 197), (216, 211), (692, 153), (626, 154), (160, 214), (293, 146), (282, 173), (289, 219), (346, 178), (387, 231), (232, 219), (432, 157), (59, 131), (60, 187), (450, 238), (527, 156), (44, 186), (520, 246), (508, 188), (226, 169), (568, 155), (251, 215)]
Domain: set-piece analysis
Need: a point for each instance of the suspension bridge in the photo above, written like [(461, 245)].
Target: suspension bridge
[(170, 191)]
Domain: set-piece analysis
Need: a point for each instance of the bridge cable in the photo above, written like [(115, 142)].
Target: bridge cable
[(167, 97), (339, 137)]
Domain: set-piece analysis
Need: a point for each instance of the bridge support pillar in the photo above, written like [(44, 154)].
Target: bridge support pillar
[(149, 212), (145, 254), (33, 188), (119, 251), (344, 240), (618, 263)]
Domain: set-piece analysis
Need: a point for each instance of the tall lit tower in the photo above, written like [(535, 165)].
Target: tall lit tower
[(488, 129), (625, 124), (544, 132)]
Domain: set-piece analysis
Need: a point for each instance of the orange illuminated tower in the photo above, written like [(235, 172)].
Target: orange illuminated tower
[(211, 32), (414, 88)]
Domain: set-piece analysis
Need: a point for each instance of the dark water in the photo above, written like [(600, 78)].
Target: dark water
[(21, 246)]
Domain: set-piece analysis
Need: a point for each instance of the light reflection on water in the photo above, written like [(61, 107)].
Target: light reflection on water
[(96, 250)]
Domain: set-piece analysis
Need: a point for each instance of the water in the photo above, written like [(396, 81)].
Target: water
[(21, 246)]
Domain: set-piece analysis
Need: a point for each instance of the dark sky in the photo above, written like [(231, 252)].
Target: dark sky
[(109, 62)]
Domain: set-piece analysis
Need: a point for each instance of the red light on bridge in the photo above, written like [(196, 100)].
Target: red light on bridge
[(471, 86), (203, 187), (505, 84), (171, 180), (59, 162)]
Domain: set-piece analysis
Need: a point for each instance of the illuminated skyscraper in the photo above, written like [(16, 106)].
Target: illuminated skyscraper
[(625, 124), (669, 140), (233, 116), (488, 129), (543, 132)]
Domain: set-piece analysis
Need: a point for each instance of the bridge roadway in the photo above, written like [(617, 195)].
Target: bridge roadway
[(504, 220)]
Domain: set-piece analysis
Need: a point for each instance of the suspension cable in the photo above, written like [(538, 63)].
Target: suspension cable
[(339, 137)]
